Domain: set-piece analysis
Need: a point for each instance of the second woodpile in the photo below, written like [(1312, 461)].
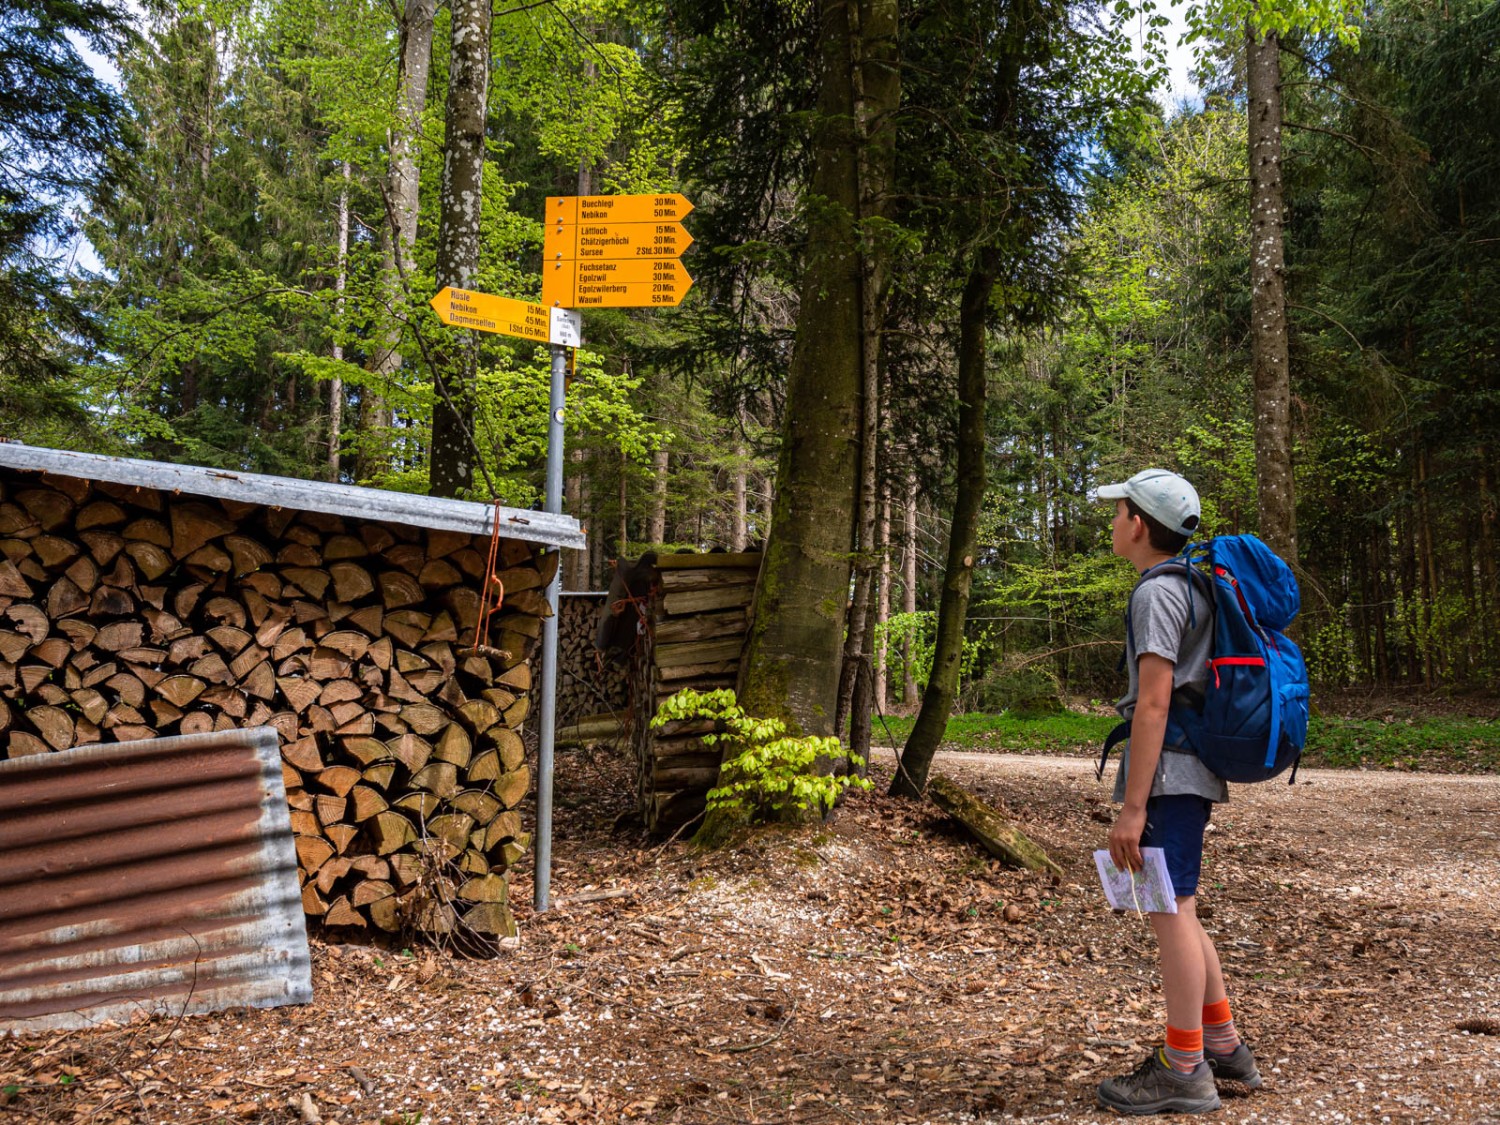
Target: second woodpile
[(127, 614), (593, 694), (696, 613)]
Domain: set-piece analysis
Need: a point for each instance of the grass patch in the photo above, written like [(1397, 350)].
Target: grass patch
[(1065, 733), (1439, 744)]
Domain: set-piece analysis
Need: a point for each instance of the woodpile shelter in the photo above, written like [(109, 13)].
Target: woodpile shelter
[(678, 621), (141, 599)]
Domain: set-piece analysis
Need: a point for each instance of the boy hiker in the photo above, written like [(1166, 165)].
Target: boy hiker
[(1167, 796)]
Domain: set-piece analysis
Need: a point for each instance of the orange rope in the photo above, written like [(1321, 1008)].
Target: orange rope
[(487, 603), (638, 604)]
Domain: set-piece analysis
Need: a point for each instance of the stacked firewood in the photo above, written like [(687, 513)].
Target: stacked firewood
[(587, 684), (126, 614), (696, 615)]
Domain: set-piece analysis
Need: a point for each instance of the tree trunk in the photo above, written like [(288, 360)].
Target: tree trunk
[(575, 563), (876, 87), (942, 683), (624, 533), (336, 384), (399, 232), (656, 528), (1428, 572), (862, 700), (909, 588), (737, 510), (451, 468), (578, 568), (1269, 354), (883, 603), (1489, 543), (791, 667)]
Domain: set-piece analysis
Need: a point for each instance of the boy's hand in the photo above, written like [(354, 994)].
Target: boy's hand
[(1125, 839)]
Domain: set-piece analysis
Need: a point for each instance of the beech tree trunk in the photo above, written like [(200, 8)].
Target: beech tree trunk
[(791, 664), (942, 683), (1269, 353), (399, 232), (656, 526), (576, 563), (336, 384), (451, 465), (1489, 543), (578, 569)]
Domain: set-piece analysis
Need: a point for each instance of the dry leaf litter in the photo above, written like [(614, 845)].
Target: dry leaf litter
[(877, 967)]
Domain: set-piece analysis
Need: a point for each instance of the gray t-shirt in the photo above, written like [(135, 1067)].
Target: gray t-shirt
[(1159, 620)]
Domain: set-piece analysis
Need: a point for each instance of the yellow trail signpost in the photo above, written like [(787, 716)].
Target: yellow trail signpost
[(486, 312), (615, 209), (624, 284), (599, 241), (614, 251), (599, 251)]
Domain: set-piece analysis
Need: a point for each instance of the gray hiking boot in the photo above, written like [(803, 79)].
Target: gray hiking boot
[(1237, 1066), (1154, 1087)]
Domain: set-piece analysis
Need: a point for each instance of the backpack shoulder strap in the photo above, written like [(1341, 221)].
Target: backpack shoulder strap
[(1179, 564), (1183, 564)]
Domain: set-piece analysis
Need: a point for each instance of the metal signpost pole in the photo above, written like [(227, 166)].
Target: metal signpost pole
[(548, 725)]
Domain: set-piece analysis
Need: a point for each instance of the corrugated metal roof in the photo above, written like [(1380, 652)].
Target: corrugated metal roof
[(303, 495), (148, 876)]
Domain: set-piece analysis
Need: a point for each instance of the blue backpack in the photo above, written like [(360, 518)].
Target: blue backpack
[(1251, 723)]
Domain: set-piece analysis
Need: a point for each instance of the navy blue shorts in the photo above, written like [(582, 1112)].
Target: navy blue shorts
[(1175, 824)]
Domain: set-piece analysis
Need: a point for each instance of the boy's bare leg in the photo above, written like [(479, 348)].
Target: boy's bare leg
[(1214, 989), (1185, 975), (1175, 1078)]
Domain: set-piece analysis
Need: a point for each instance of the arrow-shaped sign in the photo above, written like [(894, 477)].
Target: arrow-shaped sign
[(601, 241), (578, 285), (573, 209), (507, 316)]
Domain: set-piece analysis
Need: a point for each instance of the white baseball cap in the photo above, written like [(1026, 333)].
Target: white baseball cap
[(1165, 497)]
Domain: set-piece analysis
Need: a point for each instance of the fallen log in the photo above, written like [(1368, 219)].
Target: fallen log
[(988, 826)]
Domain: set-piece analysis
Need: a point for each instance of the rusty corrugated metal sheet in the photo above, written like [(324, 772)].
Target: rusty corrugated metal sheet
[(148, 876)]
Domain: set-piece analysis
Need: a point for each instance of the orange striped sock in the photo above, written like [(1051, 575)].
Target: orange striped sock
[(1219, 1034), (1184, 1049)]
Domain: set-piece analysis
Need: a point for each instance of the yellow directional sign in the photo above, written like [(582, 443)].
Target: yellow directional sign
[(614, 285), (599, 241), (574, 209), (509, 317)]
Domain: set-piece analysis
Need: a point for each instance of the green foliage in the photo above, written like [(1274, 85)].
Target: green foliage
[(57, 122), (1026, 689), (1453, 745), (1067, 732), (908, 639), (1447, 745), (1215, 18), (766, 773)]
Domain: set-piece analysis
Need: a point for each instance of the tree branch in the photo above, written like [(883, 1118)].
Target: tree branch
[(1331, 320)]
